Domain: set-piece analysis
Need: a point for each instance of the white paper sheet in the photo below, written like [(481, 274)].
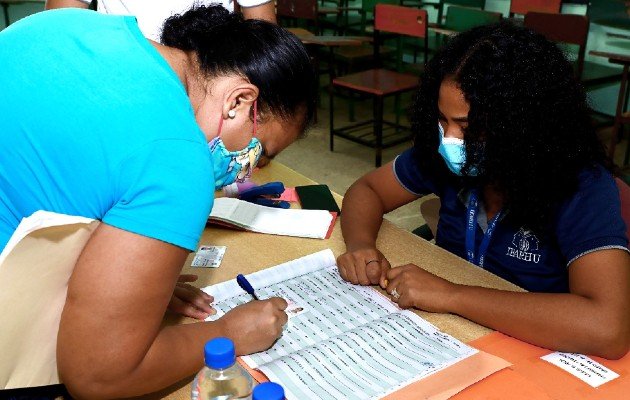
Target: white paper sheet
[(348, 343)]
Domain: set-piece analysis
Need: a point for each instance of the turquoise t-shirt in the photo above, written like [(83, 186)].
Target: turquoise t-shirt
[(94, 122)]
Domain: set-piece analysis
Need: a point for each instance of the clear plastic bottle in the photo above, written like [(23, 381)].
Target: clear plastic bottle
[(268, 391), (222, 378)]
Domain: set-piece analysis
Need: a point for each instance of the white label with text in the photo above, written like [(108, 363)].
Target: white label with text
[(582, 367), (209, 256)]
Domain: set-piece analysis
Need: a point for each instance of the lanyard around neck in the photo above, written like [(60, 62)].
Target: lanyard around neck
[(471, 230)]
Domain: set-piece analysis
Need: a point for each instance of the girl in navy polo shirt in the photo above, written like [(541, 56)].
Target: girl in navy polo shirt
[(503, 137)]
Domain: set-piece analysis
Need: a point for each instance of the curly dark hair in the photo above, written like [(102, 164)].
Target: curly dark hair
[(529, 129)]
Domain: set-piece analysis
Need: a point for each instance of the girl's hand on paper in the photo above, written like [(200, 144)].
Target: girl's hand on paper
[(190, 301), (419, 288), (363, 266), (256, 325)]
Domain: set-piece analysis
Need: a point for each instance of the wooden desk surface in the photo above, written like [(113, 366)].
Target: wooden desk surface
[(613, 57), (249, 252), (443, 31), (308, 37)]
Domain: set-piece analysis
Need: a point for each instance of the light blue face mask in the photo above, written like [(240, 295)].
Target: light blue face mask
[(234, 166), (453, 150)]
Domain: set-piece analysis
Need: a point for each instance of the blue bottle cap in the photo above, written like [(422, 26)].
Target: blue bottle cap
[(268, 391), (219, 353)]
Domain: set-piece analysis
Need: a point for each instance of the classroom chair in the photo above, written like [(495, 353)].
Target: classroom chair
[(573, 29), (444, 5), (348, 58), (460, 19), (364, 24), (609, 13), (381, 83), (522, 7), (292, 12)]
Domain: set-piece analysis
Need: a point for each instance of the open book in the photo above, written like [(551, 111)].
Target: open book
[(343, 341), (277, 221)]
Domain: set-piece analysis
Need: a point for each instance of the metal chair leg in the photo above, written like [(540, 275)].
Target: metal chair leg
[(351, 103), (378, 128), (397, 112), (331, 115)]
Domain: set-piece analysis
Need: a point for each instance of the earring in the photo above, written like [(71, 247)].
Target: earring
[(232, 114)]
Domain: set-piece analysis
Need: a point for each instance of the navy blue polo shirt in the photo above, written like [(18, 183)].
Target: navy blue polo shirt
[(589, 220)]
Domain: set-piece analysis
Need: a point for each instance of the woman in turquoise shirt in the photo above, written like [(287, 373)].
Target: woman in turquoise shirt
[(99, 122)]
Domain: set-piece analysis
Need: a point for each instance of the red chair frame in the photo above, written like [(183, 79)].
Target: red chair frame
[(543, 6), (381, 83)]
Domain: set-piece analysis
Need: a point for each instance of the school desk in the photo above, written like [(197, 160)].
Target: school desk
[(249, 252)]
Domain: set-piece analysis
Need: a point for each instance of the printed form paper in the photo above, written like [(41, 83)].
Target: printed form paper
[(347, 342)]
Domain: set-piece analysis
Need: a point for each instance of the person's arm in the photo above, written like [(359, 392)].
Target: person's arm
[(592, 319), (364, 205), (266, 11), (50, 4), (110, 341)]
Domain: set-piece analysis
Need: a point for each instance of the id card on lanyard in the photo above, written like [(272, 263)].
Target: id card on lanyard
[(473, 256)]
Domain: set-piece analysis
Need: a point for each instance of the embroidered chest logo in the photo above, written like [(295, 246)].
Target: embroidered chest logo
[(525, 246)]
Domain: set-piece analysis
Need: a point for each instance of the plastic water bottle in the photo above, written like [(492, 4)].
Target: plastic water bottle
[(222, 378), (268, 391)]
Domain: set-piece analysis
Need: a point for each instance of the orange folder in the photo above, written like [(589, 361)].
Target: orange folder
[(441, 385), (529, 377)]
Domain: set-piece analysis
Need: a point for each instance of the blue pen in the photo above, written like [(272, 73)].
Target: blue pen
[(245, 285)]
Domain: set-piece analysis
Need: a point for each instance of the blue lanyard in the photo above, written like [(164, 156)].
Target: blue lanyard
[(471, 230)]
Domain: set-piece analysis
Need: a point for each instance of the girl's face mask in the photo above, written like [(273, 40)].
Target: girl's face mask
[(453, 150), (234, 166)]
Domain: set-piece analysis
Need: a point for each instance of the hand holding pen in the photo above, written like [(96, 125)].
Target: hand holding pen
[(256, 325)]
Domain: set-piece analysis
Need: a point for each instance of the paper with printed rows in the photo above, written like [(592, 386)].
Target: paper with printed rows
[(345, 341)]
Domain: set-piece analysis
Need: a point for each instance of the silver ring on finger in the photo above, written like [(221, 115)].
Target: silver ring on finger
[(395, 294), (371, 261)]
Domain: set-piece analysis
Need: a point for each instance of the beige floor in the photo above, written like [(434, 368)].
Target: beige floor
[(339, 169)]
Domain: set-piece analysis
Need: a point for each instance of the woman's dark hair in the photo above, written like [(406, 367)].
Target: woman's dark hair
[(270, 57), (529, 130)]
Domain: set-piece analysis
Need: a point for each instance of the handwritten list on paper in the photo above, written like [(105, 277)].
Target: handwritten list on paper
[(582, 367)]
